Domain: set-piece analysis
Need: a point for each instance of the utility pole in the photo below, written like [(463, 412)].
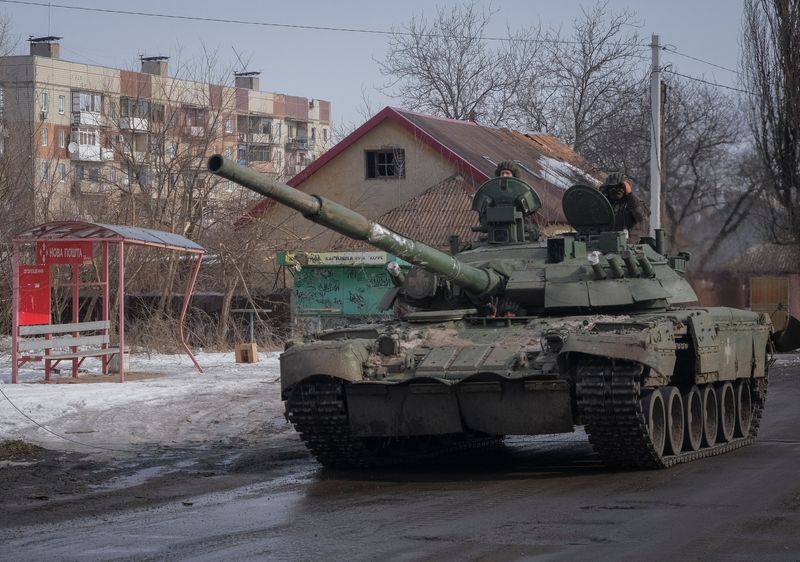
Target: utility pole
[(655, 136)]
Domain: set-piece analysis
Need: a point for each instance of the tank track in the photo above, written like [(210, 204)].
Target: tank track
[(317, 408), (609, 403)]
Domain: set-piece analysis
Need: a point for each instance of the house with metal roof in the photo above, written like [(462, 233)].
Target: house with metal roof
[(420, 172), (765, 278)]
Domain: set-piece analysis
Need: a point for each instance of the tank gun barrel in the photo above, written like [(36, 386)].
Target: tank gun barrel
[(354, 225)]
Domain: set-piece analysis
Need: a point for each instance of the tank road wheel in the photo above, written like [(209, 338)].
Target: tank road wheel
[(744, 408), (726, 401), (655, 417), (673, 408), (710, 415), (692, 419)]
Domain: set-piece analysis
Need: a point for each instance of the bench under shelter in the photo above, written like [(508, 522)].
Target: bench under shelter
[(76, 245)]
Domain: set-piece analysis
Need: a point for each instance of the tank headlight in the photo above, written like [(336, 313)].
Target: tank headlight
[(594, 258)]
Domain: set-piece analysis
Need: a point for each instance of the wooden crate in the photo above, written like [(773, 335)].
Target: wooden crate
[(246, 353)]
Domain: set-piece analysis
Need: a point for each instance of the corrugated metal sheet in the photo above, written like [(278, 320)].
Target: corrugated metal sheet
[(88, 230), (549, 165), (768, 259), (431, 217)]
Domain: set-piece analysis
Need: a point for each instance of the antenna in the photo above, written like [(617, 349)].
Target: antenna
[(244, 67)]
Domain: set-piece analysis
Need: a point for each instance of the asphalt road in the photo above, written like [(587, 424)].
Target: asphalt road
[(534, 499)]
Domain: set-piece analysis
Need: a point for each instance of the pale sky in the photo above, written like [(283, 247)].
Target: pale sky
[(334, 65)]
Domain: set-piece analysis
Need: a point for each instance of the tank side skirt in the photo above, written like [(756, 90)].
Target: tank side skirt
[(317, 408)]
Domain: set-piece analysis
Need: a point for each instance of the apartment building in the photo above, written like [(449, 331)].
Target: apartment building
[(75, 133)]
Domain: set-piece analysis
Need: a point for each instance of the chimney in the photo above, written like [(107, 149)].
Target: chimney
[(248, 80), (157, 66), (45, 46)]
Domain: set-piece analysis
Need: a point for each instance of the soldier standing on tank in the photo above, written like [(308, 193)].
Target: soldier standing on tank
[(629, 211), (534, 222)]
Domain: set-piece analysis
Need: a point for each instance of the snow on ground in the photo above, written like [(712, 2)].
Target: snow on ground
[(177, 406)]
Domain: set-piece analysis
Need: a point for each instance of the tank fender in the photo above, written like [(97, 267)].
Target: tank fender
[(787, 338), (343, 359), (653, 346)]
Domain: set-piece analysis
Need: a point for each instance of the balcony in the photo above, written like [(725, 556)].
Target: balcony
[(90, 153), (193, 131), (88, 118), (297, 144), (134, 124), (260, 138)]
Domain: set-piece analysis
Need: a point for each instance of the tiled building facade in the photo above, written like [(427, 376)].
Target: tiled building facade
[(75, 133)]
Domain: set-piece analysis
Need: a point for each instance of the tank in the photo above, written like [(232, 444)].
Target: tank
[(526, 336)]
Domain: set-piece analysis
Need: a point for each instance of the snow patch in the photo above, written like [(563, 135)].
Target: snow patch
[(562, 174)]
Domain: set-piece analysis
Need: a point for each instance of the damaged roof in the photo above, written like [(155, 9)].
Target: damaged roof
[(547, 164), (424, 217)]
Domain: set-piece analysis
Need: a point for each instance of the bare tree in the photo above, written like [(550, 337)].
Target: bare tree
[(592, 74), (771, 70), (446, 66)]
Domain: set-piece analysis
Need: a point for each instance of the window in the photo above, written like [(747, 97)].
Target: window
[(79, 171), (113, 175), (87, 137), (88, 102), (44, 134), (44, 101), (325, 135), (260, 153), (45, 170), (229, 124), (94, 174), (61, 104), (241, 154), (62, 138), (194, 116), (228, 153), (62, 172), (386, 163), (157, 113), (129, 107)]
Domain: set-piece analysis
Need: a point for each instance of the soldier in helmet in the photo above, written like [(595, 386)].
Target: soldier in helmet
[(507, 169), (629, 211)]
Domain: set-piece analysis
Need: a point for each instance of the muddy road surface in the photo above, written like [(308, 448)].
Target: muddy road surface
[(532, 499)]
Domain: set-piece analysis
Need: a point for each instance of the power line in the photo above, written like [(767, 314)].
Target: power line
[(715, 65), (696, 79), (296, 26), (365, 31)]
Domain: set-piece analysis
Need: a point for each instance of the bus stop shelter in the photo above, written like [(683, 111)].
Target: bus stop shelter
[(73, 244)]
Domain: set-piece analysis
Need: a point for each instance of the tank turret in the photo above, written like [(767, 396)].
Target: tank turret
[(509, 272)]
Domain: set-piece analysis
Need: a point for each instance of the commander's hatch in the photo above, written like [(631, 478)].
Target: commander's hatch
[(587, 210), (502, 205)]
